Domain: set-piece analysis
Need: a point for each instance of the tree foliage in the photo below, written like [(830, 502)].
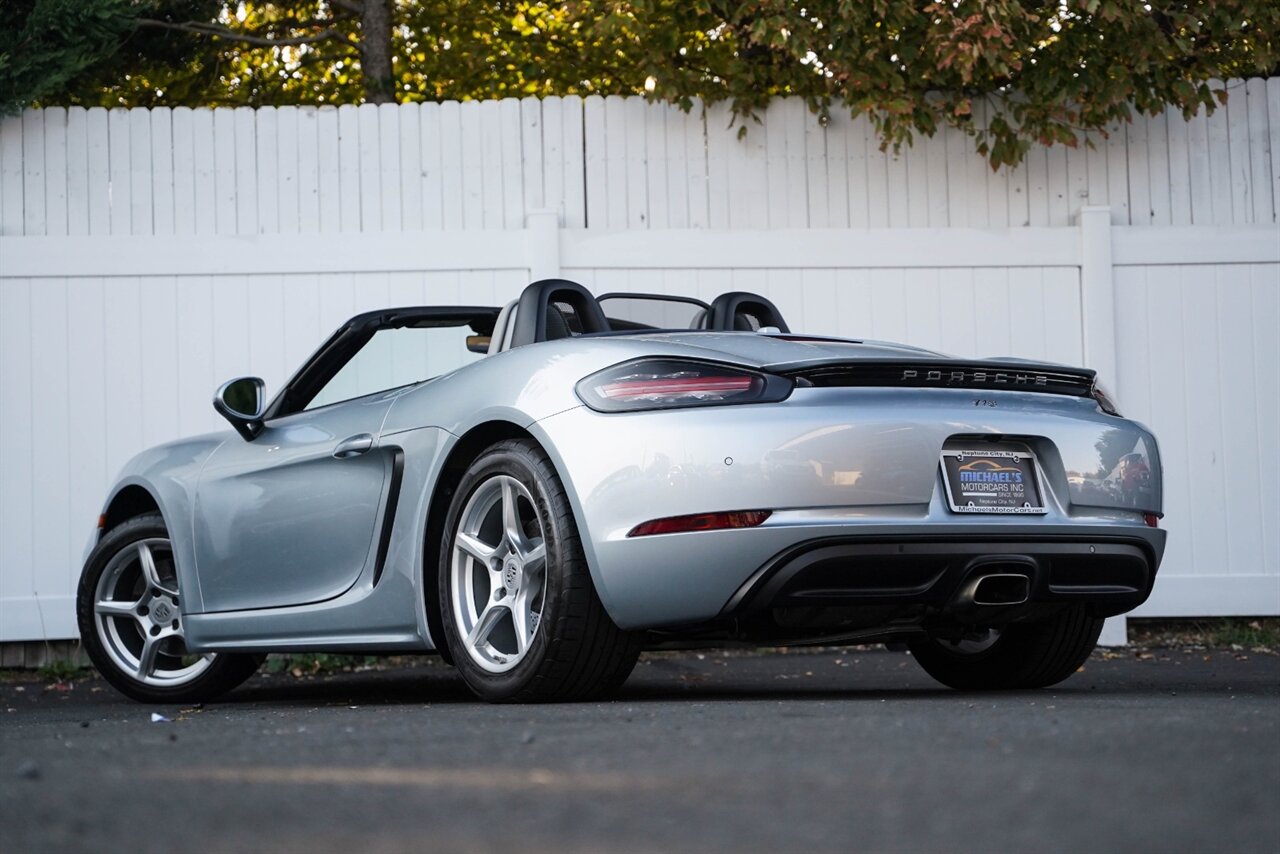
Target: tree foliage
[(51, 43), (1045, 70), (1038, 72)]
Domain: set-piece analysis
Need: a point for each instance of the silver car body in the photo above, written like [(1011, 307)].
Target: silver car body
[(281, 546)]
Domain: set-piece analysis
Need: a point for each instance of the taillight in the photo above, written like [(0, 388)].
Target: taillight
[(1106, 402), (671, 383), (701, 522), (1152, 520)]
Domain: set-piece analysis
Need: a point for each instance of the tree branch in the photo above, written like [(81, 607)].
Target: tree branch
[(352, 6), (221, 32)]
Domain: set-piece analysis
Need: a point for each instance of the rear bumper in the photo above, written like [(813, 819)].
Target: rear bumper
[(797, 560)]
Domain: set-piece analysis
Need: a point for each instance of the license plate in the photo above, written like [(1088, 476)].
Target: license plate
[(991, 482)]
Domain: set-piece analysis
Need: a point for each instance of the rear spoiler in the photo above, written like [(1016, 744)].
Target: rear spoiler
[(991, 375)]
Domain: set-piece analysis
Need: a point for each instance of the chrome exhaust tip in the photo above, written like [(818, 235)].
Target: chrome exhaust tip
[(1005, 588)]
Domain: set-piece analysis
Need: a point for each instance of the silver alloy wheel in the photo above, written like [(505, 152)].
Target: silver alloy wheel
[(137, 617), (498, 573)]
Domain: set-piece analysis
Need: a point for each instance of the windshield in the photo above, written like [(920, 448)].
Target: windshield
[(398, 357)]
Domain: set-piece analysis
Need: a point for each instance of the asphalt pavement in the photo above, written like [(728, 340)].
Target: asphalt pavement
[(1169, 751)]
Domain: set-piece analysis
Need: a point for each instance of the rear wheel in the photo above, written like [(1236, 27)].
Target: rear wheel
[(521, 616), (129, 610), (1019, 655)]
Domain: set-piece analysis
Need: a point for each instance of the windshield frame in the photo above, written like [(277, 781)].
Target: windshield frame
[(350, 338)]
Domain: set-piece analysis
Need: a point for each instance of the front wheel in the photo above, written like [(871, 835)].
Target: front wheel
[(129, 610), (521, 616), (1019, 655)]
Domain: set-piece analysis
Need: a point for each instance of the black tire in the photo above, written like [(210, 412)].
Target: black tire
[(1025, 655), (106, 646), (576, 651)]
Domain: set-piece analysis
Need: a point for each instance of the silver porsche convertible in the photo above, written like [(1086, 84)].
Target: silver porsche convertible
[(540, 492)]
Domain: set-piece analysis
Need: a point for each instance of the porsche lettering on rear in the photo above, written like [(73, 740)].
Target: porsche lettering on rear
[(978, 377)]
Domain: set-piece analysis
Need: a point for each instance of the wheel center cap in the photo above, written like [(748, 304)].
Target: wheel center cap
[(162, 612), (511, 574)]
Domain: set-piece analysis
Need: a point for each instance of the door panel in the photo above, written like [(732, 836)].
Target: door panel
[(289, 518)]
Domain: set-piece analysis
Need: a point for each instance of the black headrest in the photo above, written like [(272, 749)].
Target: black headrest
[(734, 311), (557, 326), (533, 323)]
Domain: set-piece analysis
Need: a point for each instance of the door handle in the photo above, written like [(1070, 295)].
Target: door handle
[(353, 446)]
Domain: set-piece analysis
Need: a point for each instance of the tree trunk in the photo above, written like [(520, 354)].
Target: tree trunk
[(375, 52)]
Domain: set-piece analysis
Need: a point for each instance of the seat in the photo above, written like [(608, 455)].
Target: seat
[(551, 308), (740, 311), (557, 324)]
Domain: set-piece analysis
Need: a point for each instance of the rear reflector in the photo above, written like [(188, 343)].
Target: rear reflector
[(701, 522), (1152, 520)]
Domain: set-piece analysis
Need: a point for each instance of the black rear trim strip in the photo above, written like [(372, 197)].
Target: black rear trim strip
[(927, 373)]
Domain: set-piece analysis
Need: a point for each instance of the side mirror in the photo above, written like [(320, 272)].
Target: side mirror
[(240, 401)]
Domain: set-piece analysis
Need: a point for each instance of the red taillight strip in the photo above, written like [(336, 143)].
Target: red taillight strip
[(701, 522), (685, 385), (1152, 520)]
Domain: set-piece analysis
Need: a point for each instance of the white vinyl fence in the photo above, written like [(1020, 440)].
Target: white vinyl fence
[(147, 255)]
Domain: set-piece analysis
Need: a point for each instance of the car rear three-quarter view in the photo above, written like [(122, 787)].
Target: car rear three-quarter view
[(540, 492)]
